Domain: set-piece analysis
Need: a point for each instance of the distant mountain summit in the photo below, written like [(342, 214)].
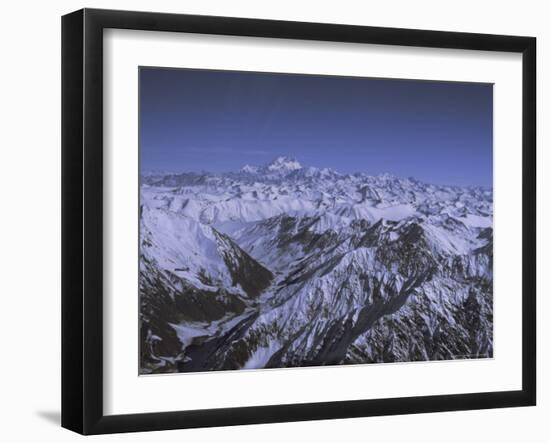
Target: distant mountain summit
[(281, 165), (284, 164), (250, 169)]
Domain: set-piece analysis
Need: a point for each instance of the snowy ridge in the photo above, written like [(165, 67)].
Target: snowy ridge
[(286, 265)]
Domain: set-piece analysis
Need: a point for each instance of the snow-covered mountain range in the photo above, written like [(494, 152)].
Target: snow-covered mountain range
[(283, 265)]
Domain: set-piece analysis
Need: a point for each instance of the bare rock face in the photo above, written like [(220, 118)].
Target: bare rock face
[(283, 265)]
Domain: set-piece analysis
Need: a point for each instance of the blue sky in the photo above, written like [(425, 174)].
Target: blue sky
[(201, 120)]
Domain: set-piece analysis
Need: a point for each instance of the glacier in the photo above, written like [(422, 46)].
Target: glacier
[(281, 265)]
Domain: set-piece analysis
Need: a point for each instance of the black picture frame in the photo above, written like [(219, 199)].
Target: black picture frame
[(82, 215)]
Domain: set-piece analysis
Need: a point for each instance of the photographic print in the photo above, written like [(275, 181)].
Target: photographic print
[(292, 220)]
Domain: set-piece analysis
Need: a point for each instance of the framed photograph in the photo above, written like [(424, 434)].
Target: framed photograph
[(269, 221)]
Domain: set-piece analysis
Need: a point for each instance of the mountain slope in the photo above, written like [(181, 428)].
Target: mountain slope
[(284, 265)]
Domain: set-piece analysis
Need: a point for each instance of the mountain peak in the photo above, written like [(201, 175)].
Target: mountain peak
[(284, 164), (281, 164), (249, 169)]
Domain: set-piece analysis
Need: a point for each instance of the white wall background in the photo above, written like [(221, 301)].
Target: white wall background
[(30, 221)]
